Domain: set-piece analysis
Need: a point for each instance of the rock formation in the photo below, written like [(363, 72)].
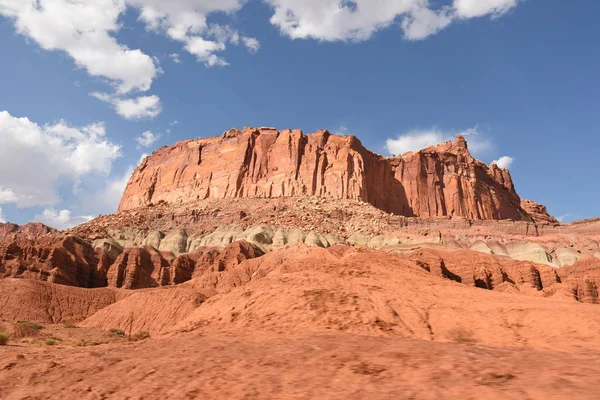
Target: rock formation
[(538, 212), (31, 231), (439, 181), (66, 260)]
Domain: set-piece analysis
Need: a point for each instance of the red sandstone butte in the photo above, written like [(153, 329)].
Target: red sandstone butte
[(439, 181)]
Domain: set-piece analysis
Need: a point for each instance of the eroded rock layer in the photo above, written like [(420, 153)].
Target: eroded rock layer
[(439, 181)]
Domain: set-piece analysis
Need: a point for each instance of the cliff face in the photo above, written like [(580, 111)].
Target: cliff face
[(538, 212), (439, 181)]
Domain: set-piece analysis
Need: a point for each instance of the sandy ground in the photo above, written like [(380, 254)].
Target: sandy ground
[(258, 365), (302, 323)]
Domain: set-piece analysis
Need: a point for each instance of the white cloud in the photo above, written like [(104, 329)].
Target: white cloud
[(414, 141), (142, 107), (62, 219), (478, 143), (357, 20), (417, 140), (147, 139), (86, 30), (205, 50), (251, 44), (504, 162), (564, 218), (186, 22), (142, 158), (2, 220), (424, 22), (175, 58), (111, 196), (479, 8), (342, 130), (7, 196), (112, 192), (35, 160), (83, 29)]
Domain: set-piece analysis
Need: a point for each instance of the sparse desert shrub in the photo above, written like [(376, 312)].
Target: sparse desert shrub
[(117, 332), (71, 326), (50, 342), (140, 336), (461, 335), (85, 342), (33, 325), (3, 339)]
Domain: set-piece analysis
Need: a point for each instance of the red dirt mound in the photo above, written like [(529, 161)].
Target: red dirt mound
[(45, 302), (151, 310)]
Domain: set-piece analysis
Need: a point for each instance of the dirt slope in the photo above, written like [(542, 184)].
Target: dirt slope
[(22, 299), (253, 365), (304, 323)]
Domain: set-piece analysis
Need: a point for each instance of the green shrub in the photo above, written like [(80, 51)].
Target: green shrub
[(118, 332), (71, 326), (50, 342), (85, 342), (3, 339), (33, 325)]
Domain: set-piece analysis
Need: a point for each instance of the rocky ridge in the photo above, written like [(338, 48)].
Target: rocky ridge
[(438, 181), (175, 236)]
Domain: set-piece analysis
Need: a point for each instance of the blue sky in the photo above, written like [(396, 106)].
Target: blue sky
[(521, 78)]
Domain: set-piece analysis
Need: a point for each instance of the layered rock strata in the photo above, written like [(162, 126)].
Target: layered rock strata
[(439, 181)]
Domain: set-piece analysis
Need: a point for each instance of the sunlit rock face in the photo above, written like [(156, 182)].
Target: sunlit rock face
[(439, 181)]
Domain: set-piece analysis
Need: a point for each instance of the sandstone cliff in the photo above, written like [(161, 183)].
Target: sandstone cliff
[(439, 181), (538, 212)]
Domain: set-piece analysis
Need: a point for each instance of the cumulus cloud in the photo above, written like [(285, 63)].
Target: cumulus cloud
[(480, 8), (35, 160), (112, 192), (61, 219), (205, 50), (111, 195), (414, 141), (2, 220), (83, 29), (251, 44), (176, 58), (147, 139), (86, 30), (423, 22), (420, 139), (142, 107), (186, 21), (7, 196), (357, 20), (504, 162)]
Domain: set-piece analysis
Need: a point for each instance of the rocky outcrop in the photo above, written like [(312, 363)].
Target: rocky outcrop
[(70, 260), (31, 231), (138, 268), (146, 267), (485, 271), (583, 279), (439, 181), (64, 260), (538, 212)]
